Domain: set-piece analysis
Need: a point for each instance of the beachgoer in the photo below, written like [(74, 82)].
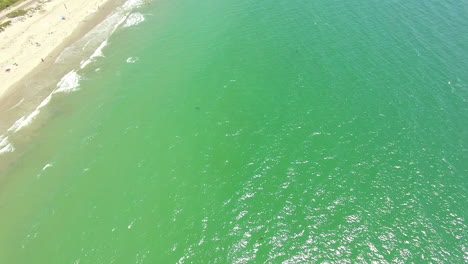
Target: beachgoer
[(42, 59), (8, 70)]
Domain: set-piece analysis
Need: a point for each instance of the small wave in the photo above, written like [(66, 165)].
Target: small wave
[(130, 4), (5, 145), (122, 19), (97, 53), (24, 121), (99, 33), (69, 83), (48, 165), (134, 19), (132, 59), (45, 102)]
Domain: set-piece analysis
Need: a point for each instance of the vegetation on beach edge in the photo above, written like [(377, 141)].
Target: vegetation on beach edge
[(7, 3), (4, 25), (17, 13)]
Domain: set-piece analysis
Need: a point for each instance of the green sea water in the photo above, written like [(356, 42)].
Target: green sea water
[(253, 132)]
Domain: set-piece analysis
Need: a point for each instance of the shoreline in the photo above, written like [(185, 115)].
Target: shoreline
[(26, 92), (36, 38)]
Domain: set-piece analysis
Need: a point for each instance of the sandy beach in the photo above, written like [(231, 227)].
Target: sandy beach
[(30, 40), (32, 60)]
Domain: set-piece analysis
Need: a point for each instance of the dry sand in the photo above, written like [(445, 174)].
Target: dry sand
[(41, 34), (32, 38)]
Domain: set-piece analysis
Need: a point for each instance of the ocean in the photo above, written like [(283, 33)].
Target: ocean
[(248, 132)]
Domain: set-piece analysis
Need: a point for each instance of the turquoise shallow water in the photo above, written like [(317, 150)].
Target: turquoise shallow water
[(254, 132)]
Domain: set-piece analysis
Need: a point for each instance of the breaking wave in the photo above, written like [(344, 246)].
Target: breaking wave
[(97, 53), (134, 19), (5, 145), (95, 40), (69, 83), (132, 59)]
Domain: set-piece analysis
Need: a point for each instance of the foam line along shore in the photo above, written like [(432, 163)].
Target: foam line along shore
[(65, 47), (30, 39)]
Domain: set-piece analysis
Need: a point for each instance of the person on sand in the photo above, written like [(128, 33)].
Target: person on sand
[(8, 70), (42, 59)]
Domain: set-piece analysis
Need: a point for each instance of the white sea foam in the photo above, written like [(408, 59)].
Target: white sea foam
[(17, 125), (122, 19), (97, 53), (132, 59), (134, 19), (46, 166), (130, 4), (7, 148), (101, 32), (5, 145), (98, 34), (45, 102), (83, 63), (93, 40), (24, 121), (96, 38), (69, 83)]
